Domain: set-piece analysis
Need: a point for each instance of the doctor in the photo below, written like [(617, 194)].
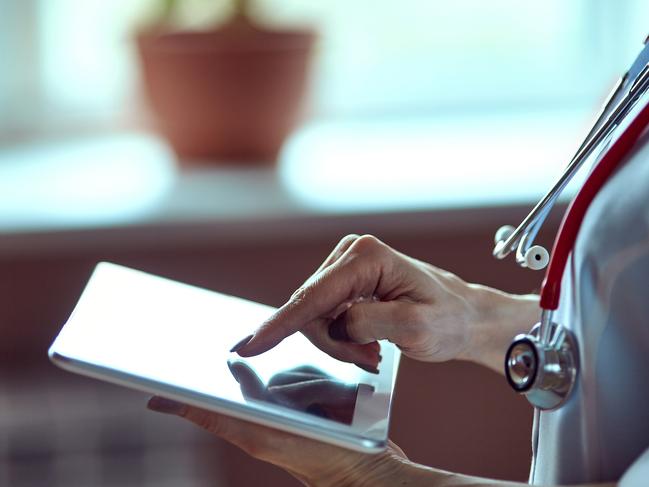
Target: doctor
[(366, 291)]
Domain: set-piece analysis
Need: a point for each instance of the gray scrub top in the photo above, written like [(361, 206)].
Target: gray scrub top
[(601, 434)]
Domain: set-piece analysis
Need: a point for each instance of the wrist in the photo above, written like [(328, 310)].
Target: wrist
[(499, 317)]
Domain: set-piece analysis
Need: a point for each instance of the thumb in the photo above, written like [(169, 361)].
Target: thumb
[(367, 322)]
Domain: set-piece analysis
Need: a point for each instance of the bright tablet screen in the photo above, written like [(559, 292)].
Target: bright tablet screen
[(166, 337)]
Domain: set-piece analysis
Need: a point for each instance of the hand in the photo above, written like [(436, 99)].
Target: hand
[(320, 465), (366, 291), (312, 462)]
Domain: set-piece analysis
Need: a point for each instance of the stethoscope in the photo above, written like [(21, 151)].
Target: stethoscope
[(543, 364)]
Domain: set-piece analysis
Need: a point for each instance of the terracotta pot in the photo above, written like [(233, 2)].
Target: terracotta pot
[(228, 95)]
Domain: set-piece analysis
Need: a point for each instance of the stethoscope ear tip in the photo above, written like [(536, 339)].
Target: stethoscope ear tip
[(536, 258), (503, 233)]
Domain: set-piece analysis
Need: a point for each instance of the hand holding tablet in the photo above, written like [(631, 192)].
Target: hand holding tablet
[(173, 340)]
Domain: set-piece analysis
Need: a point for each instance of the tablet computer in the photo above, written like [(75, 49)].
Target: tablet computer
[(172, 339)]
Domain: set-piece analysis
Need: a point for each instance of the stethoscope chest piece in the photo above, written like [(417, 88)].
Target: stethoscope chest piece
[(543, 364), (543, 368)]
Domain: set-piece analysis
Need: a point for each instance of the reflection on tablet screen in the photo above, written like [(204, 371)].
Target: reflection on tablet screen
[(305, 388)]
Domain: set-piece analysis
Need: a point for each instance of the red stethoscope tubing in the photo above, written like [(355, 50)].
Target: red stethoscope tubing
[(567, 235)]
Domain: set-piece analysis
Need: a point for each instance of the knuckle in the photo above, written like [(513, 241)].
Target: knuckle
[(206, 420), (368, 241), (304, 295), (368, 244), (299, 295), (347, 239)]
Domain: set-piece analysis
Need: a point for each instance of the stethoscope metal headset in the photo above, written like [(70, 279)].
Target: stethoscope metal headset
[(543, 364)]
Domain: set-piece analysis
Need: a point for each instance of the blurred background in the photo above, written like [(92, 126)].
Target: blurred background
[(230, 145)]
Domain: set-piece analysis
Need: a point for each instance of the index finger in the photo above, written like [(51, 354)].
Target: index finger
[(356, 274)]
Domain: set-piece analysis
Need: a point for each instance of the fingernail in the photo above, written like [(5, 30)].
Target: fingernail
[(164, 405), (338, 331), (368, 368), (241, 344)]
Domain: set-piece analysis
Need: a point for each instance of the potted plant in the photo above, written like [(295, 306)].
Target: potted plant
[(231, 93)]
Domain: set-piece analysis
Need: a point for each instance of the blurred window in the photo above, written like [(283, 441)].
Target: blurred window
[(70, 62)]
